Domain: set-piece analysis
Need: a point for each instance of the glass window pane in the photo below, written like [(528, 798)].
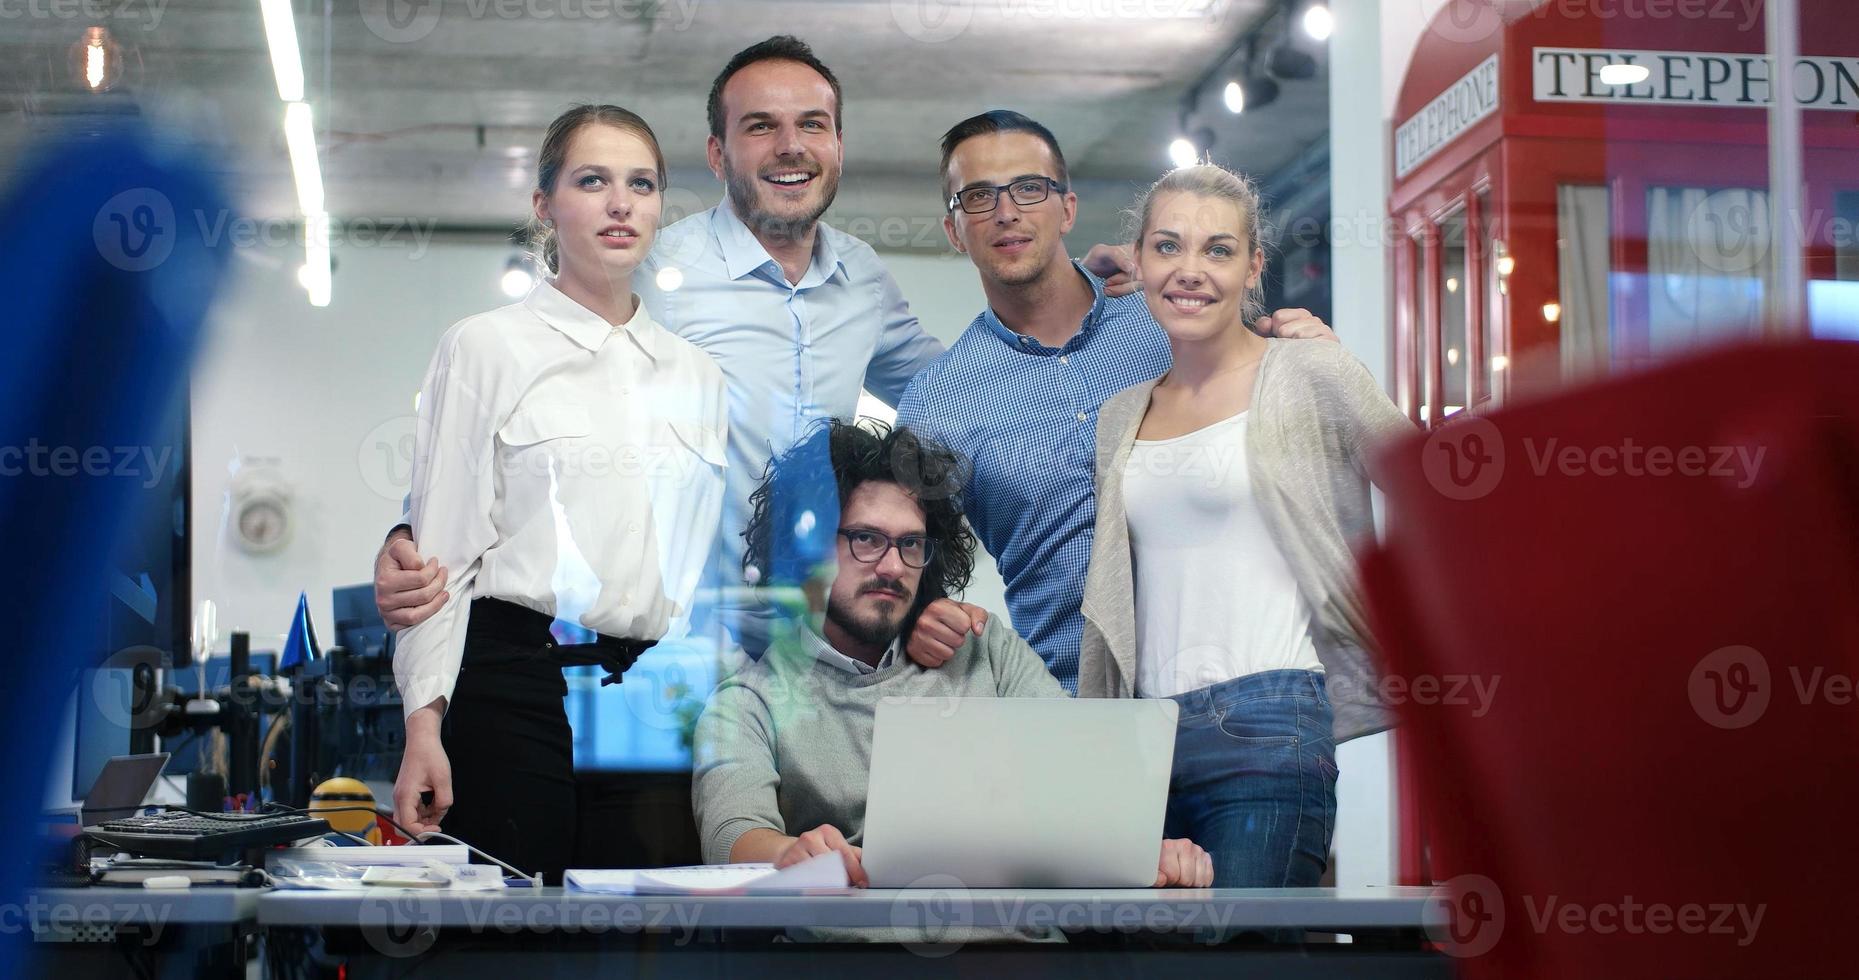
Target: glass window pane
[(1707, 266), (1585, 304), (1454, 357), (1846, 236), (1484, 370), (1422, 340), (1833, 304)]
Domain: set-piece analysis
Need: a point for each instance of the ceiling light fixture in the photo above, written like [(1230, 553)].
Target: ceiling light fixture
[(96, 60), (316, 274), (517, 279), (1235, 97), (300, 140), (1182, 153), (1319, 23), (281, 38)]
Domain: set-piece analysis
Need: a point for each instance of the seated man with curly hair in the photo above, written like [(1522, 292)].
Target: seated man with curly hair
[(854, 531)]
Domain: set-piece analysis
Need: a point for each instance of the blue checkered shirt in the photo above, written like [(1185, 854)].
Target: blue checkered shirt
[(1025, 415)]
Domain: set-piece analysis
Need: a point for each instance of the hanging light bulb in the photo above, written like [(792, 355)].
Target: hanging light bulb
[(96, 60), (1506, 263)]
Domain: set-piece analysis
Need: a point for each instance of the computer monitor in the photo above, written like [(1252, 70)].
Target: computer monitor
[(148, 598), (143, 621), (113, 703), (359, 628)]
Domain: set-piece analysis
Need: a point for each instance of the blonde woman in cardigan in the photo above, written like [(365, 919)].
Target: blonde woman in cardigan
[(1229, 493)]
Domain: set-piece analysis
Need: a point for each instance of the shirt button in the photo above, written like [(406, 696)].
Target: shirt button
[(1064, 359), (1081, 416), (633, 528), (1026, 340), (627, 599)]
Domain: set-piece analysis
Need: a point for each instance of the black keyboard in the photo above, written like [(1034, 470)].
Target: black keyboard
[(193, 837)]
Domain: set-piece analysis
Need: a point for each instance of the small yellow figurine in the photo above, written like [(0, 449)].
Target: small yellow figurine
[(340, 792)]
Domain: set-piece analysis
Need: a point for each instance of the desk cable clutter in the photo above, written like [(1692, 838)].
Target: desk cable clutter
[(534, 880)]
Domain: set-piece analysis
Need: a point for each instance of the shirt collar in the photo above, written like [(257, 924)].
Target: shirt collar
[(743, 254), (824, 652), (1031, 345), (584, 326)]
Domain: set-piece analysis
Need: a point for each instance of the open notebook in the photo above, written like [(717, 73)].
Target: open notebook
[(822, 872)]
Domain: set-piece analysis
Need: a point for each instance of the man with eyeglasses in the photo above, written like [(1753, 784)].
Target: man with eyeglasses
[(1018, 392), (852, 531)]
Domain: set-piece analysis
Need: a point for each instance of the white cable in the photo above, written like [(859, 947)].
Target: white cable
[(535, 880)]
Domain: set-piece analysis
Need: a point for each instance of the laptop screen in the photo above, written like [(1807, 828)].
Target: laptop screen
[(122, 786)]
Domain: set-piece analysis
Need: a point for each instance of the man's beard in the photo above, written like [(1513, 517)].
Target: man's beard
[(1021, 275), (873, 631), (745, 197)]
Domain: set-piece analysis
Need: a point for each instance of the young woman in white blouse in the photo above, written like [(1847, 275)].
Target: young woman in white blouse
[(1230, 492), (569, 466)]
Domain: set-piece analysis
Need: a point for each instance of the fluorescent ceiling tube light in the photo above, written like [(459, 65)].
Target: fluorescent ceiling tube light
[(315, 274), (281, 38), (300, 139)]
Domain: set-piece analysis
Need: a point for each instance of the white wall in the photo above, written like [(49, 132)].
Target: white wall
[(1368, 54), (329, 394), (1402, 23)]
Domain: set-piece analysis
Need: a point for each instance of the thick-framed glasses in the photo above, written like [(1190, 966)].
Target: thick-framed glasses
[(870, 547), (1025, 192)]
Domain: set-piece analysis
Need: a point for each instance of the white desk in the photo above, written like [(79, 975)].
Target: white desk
[(552, 931), (1139, 909)]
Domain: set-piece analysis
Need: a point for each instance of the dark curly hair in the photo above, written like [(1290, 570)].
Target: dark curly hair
[(794, 524)]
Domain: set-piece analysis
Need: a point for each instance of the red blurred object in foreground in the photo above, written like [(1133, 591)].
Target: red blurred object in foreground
[(390, 836), (1620, 628)]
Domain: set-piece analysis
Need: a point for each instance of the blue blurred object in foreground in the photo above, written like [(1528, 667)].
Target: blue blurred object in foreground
[(108, 278)]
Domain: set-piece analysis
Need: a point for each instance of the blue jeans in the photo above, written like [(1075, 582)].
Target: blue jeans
[(1254, 780)]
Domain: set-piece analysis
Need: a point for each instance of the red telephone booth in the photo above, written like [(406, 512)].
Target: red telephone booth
[(1559, 214), (1583, 187)]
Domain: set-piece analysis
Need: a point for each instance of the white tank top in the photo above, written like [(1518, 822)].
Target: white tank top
[(1215, 599)]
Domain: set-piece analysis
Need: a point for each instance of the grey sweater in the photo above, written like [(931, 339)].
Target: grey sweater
[(785, 743), (1315, 414)]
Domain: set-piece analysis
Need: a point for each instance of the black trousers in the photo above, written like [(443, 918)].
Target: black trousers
[(507, 737)]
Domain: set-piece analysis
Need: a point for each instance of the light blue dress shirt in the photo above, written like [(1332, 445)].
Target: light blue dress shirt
[(1025, 416), (791, 353)]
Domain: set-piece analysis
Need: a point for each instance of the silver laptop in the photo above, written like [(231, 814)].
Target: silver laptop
[(121, 787), (1018, 792)]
